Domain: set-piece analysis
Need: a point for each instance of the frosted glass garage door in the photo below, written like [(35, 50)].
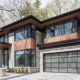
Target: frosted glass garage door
[(67, 62)]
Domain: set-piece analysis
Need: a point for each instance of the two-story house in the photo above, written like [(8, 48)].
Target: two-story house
[(52, 45)]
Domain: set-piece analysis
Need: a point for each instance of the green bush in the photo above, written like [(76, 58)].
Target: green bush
[(18, 70)]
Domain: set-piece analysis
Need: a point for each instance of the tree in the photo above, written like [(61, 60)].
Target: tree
[(57, 7)]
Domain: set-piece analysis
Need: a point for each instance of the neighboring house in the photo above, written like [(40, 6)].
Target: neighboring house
[(52, 45)]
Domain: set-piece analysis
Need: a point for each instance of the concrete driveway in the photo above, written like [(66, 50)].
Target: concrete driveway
[(42, 76)]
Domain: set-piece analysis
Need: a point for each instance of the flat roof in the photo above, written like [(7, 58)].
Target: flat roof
[(31, 19)]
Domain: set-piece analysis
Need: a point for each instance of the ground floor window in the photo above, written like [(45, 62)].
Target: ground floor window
[(25, 58)]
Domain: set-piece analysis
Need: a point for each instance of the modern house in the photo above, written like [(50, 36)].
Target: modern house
[(52, 45)]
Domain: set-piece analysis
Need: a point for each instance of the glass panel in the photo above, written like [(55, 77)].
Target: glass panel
[(19, 35), (54, 55), (72, 65), (72, 70), (27, 60), (62, 54), (33, 61), (78, 65), (54, 69), (47, 69), (54, 60), (47, 65), (54, 64), (49, 32), (62, 59), (62, 69), (72, 54), (78, 70), (47, 56), (6, 60), (59, 29), (78, 53), (62, 64), (20, 58), (74, 59), (47, 60), (78, 59), (68, 27)]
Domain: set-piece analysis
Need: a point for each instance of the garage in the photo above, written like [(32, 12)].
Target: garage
[(65, 62)]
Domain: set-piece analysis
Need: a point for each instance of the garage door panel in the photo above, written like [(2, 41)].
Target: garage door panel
[(53, 65), (72, 70), (48, 65), (54, 60), (72, 59), (71, 65), (54, 69), (62, 69), (62, 62), (78, 59), (62, 54), (47, 60), (47, 69), (62, 65), (62, 59)]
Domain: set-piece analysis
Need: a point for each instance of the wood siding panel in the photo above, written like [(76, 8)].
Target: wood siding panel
[(61, 38), (25, 44)]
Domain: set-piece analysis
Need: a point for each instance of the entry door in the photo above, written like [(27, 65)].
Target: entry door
[(6, 58)]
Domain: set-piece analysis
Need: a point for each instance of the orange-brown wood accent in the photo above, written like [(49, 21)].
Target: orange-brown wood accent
[(28, 43), (61, 38)]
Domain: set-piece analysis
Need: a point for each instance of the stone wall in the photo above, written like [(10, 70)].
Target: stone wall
[(11, 50)]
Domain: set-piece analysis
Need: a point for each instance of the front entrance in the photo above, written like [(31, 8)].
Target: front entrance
[(6, 58)]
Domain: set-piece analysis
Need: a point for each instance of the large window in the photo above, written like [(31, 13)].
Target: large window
[(25, 58), (61, 28), (49, 32), (25, 32), (4, 38)]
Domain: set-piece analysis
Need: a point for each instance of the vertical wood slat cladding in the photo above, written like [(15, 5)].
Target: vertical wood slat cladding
[(61, 38), (28, 43)]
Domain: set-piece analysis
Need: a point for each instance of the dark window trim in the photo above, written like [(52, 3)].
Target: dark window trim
[(24, 28), (68, 20), (30, 55)]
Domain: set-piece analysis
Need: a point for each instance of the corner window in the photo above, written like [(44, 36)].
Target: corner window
[(19, 35), (19, 58), (49, 32), (6, 38), (25, 58)]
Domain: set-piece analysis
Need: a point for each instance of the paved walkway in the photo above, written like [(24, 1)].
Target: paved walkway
[(42, 76)]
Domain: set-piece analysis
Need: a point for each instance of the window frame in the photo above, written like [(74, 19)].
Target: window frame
[(30, 58)]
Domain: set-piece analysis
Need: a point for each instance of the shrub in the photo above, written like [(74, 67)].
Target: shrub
[(18, 70)]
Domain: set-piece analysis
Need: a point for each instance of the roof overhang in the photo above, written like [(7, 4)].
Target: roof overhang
[(40, 24), (4, 45), (60, 44)]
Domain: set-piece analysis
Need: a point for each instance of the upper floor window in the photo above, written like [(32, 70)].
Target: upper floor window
[(49, 32), (61, 28), (25, 32), (19, 34), (4, 38)]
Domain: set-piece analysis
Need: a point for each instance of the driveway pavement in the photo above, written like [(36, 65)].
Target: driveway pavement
[(42, 76)]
